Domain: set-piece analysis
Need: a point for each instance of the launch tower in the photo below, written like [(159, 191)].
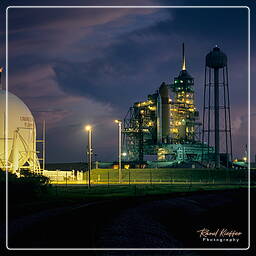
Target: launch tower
[(165, 125), (183, 109)]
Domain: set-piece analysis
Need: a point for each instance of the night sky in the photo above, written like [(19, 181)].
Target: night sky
[(74, 67)]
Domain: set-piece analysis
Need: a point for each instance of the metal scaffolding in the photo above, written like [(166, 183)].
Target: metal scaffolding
[(165, 126)]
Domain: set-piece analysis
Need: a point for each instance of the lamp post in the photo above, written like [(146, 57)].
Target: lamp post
[(88, 128), (119, 122)]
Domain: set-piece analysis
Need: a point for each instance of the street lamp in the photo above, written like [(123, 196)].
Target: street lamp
[(88, 128), (119, 122)]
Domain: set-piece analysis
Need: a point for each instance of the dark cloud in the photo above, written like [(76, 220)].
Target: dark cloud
[(88, 66), (141, 59)]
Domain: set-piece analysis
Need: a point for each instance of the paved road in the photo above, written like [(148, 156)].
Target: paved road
[(173, 222), (152, 222)]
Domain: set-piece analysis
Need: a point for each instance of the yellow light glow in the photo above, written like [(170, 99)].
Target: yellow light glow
[(88, 128), (152, 108), (245, 158), (145, 103)]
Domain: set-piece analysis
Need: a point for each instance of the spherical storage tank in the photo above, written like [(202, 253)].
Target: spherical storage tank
[(20, 135)]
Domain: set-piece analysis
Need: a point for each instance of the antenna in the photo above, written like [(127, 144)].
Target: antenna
[(183, 58), (1, 70)]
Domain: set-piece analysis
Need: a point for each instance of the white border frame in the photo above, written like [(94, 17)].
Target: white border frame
[(131, 249)]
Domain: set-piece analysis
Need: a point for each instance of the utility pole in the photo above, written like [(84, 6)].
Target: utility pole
[(119, 122), (88, 128)]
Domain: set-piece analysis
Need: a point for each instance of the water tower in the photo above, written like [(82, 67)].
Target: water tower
[(216, 109)]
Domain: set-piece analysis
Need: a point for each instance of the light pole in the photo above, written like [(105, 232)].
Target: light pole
[(88, 128), (119, 122)]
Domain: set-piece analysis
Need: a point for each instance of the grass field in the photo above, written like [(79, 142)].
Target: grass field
[(174, 175), (104, 182), (135, 182), (104, 191), (59, 195)]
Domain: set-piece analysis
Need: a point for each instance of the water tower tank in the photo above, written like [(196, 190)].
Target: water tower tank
[(20, 134), (216, 58)]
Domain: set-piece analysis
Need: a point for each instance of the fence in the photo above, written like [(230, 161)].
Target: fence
[(150, 176)]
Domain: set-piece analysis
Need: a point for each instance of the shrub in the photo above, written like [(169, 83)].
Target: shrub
[(28, 186)]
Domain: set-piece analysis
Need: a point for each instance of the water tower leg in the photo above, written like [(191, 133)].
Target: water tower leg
[(216, 118)]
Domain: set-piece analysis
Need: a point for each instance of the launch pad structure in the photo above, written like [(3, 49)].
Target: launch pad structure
[(166, 125)]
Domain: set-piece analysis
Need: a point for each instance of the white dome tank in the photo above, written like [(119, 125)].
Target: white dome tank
[(21, 135)]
